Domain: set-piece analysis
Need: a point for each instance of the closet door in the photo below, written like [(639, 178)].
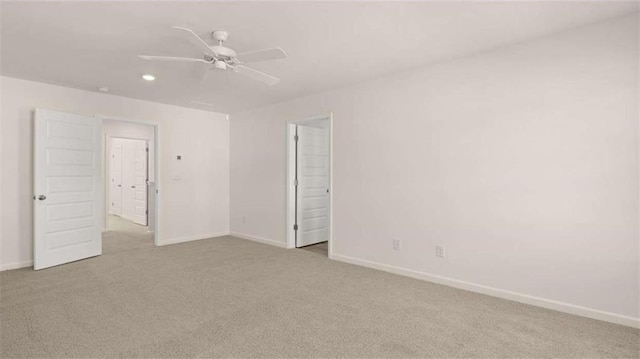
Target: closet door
[(140, 159), (134, 180), (128, 179), (115, 170), (312, 190)]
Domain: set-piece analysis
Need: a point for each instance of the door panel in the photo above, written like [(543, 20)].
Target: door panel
[(128, 179), (115, 191), (131, 157), (67, 188), (140, 182), (312, 207)]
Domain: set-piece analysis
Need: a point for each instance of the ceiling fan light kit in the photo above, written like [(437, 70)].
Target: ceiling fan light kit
[(223, 58), (220, 65)]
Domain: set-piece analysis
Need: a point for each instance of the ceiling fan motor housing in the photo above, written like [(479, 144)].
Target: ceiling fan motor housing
[(224, 52)]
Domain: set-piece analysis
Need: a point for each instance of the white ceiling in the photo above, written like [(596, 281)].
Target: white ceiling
[(330, 44)]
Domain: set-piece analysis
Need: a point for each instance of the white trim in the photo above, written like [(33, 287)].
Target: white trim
[(259, 239), (16, 265), (638, 199), (495, 292), (290, 191), (290, 163), (191, 238)]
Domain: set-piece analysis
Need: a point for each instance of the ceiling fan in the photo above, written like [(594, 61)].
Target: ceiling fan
[(223, 58)]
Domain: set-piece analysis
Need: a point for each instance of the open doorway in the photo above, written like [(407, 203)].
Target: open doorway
[(129, 184), (309, 184)]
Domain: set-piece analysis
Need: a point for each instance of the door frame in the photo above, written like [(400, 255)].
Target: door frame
[(291, 171), (157, 170), (107, 174)]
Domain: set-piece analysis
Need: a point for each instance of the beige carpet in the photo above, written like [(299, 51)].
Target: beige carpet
[(119, 224), (229, 297), (320, 248)]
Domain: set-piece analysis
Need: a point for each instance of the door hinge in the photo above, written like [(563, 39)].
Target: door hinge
[(295, 182), (147, 149), (295, 227), (146, 211), (295, 138)]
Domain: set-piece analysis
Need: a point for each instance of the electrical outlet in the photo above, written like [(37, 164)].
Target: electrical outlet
[(396, 244), (440, 251)]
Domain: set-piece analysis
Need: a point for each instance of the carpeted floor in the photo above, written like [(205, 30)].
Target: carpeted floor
[(321, 248), (119, 224), (228, 297)]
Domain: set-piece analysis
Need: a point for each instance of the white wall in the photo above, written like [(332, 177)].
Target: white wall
[(195, 206), (522, 162)]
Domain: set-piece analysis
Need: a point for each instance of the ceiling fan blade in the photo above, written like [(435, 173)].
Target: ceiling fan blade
[(262, 55), (206, 75), (170, 58), (256, 75), (197, 40)]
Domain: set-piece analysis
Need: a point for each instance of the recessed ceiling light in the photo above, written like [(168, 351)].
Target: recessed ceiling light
[(148, 77)]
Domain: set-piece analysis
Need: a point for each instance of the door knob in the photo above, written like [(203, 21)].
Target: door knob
[(133, 186), (42, 197)]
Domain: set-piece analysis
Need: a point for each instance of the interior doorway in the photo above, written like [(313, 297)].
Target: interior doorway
[(129, 172), (309, 184)]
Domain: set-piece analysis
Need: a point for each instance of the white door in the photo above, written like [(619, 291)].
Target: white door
[(140, 182), (312, 191), (67, 188), (115, 169), (133, 167), (128, 179)]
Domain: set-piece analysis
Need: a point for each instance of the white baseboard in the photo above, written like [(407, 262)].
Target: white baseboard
[(16, 265), (259, 239), (165, 242), (495, 292)]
